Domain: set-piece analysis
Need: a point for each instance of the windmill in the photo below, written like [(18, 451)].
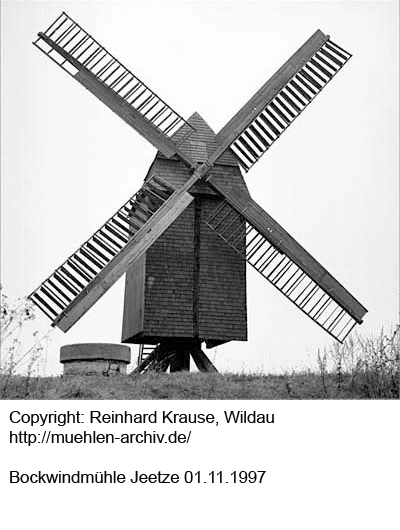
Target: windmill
[(184, 238)]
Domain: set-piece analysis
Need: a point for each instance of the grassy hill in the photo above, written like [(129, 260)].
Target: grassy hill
[(304, 385), (361, 368)]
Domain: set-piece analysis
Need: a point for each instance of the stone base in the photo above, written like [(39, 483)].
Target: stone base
[(94, 368), (95, 359)]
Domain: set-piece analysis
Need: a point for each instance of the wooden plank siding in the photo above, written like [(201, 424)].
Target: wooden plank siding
[(222, 284), (168, 304), (180, 301), (133, 305)]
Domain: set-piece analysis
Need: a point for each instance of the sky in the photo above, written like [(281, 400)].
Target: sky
[(331, 181)]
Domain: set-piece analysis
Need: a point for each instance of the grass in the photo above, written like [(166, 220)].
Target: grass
[(304, 385), (361, 368)]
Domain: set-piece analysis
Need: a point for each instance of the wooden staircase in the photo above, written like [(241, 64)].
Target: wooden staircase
[(144, 351)]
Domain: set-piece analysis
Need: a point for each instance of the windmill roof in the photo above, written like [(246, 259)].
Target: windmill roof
[(200, 145)]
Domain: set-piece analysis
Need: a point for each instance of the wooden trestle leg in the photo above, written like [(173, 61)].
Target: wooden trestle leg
[(202, 362), (180, 362), (175, 355)]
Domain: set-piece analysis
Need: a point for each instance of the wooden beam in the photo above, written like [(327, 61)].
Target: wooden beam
[(242, 119), (202, 362), (284, 242), (196, 265), (180, 362), (119, 106), (131, 116), (135, 248)]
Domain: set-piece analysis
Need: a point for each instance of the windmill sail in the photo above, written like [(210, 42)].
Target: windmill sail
[(284, 263), (88, 273), (87, 61), (262, 120)]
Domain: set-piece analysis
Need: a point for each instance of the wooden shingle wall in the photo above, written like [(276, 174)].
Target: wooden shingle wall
[(222, 284), (168, 303), (194, 284), (132, 323)]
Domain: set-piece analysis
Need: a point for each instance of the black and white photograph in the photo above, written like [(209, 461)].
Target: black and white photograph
[(153, 244), (180, 252)]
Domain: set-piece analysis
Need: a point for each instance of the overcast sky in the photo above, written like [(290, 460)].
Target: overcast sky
[(332, 179)]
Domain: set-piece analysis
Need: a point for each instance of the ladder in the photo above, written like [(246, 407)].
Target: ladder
[(144, 351), (148, 359)]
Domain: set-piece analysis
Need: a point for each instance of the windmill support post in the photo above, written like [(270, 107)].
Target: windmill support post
[(175, 355), (202, 362)]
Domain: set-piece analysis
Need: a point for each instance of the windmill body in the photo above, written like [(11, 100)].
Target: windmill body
[(184, 238), (188, 285)]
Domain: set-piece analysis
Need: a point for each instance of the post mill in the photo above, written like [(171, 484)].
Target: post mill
[(185, 237)]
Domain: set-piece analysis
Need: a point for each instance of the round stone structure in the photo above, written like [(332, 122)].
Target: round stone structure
[(95, 358)]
